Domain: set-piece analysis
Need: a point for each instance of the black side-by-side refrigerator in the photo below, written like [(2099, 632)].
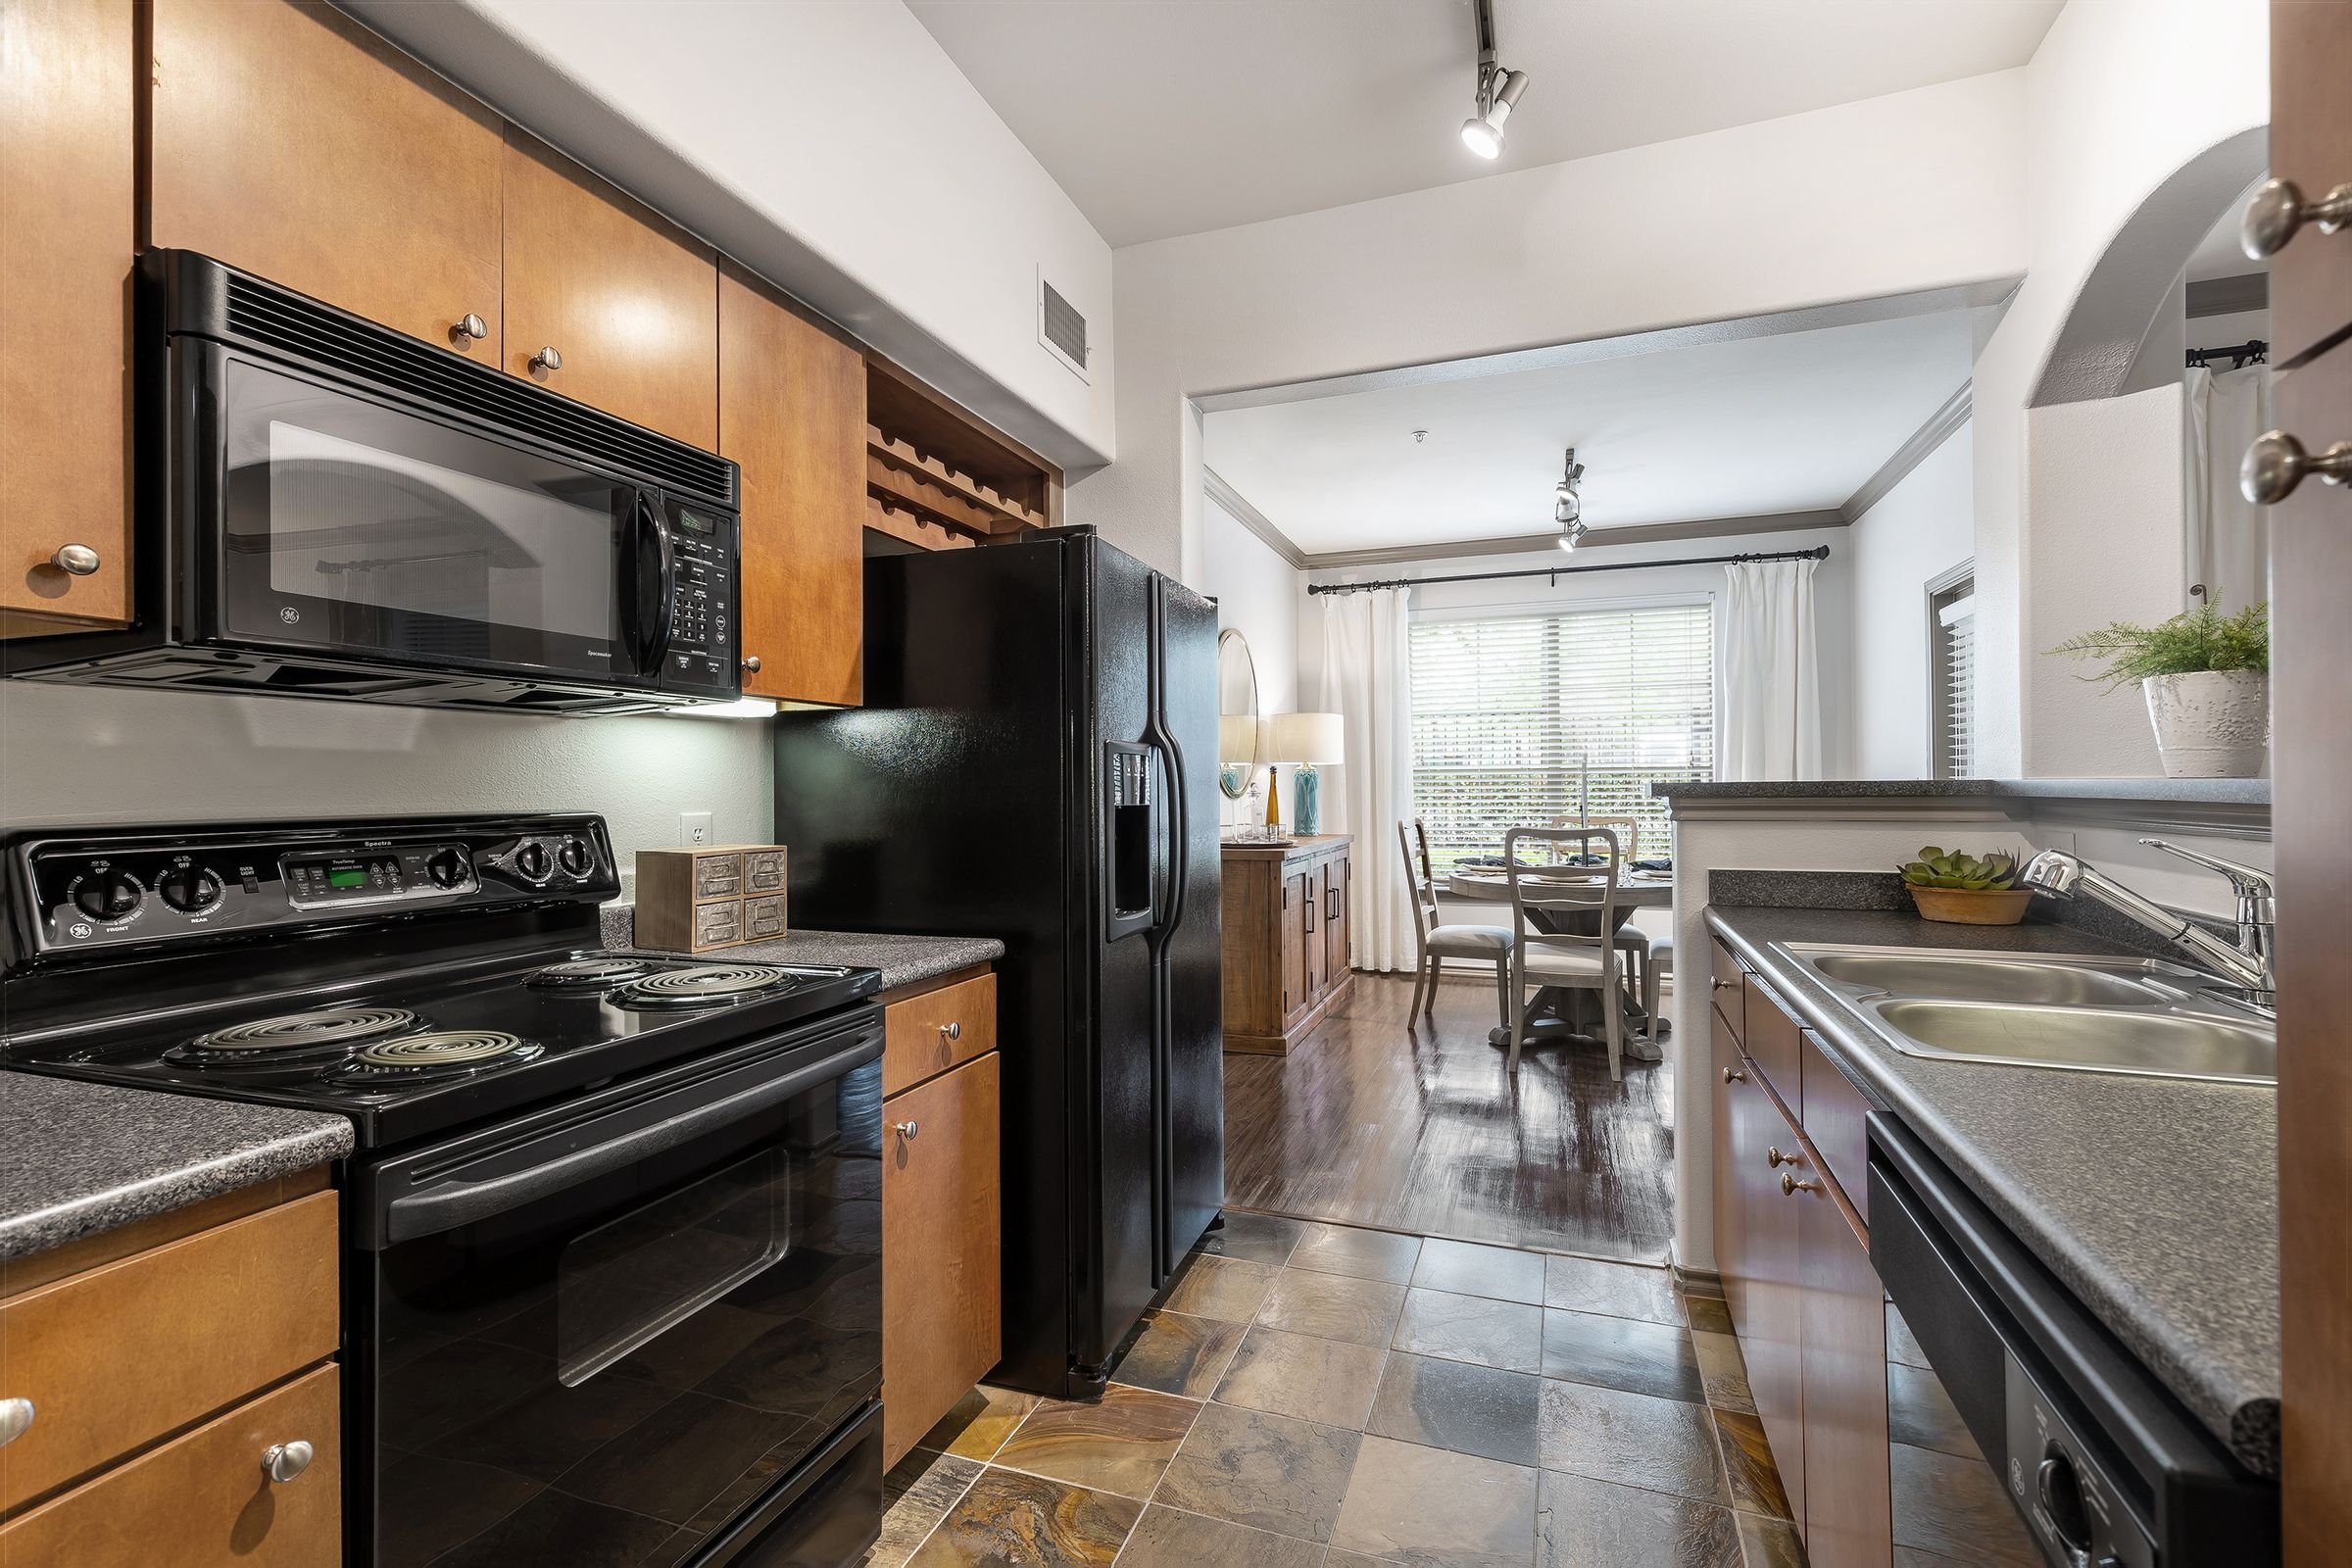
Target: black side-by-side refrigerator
[(1035, 761)]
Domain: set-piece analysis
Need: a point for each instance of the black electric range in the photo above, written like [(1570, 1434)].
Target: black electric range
[(611, 1231)]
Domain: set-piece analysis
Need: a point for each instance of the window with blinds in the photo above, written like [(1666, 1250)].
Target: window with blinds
[(1952, 674), (1519, 720)]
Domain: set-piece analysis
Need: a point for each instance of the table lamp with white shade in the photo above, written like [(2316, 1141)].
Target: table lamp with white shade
[(1308, 741)]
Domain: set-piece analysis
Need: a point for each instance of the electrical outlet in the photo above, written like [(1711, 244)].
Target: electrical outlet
[(694, 829)]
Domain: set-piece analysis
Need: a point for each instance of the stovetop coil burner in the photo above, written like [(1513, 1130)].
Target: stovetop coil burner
[(587, 974), (271, 1042), (447, 1052), (706, 986)]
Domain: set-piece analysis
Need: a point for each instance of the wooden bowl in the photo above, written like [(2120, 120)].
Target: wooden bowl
[(1972, 906)]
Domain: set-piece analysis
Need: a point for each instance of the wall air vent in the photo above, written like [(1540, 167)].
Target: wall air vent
[(1060, 328)]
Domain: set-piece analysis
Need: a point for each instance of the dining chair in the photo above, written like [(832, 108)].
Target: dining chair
[(1478, 943), (1651, 956), (1564, 922)]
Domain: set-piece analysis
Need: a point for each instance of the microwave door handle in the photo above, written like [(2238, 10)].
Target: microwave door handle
[(655, 646)]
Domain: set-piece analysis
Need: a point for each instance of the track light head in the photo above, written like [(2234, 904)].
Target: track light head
[(1498, 93)]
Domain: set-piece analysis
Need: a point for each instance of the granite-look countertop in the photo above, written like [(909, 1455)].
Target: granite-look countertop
[(2155, 1199), (77, 1158), (902, 960)]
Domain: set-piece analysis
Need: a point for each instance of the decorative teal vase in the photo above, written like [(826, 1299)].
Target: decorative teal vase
[(1308, 818)]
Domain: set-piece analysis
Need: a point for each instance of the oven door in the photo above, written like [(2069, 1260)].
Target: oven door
[(321, 518), (632, 1329)]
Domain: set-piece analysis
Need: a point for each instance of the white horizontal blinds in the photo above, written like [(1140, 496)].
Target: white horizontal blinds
[(1953, 671), (1521, 719)]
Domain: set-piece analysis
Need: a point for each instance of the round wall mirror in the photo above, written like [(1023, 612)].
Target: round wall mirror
[(1238, 758)]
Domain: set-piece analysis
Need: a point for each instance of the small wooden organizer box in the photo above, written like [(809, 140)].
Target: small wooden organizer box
[(692, 900)]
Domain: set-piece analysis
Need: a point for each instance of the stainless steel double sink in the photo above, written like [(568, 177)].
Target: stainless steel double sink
[(2083, 1014)]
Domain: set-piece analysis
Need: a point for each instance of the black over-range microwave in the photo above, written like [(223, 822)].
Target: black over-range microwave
[(328, 508)]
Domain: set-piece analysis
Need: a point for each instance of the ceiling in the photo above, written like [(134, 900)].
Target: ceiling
[(1173, 117), (1792, 423)]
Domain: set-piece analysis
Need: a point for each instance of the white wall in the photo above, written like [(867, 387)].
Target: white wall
[(1918, 530), (830, 145), (1257, 595), (71, 754), (2121, 94), (1813, 209), (2103, 490)]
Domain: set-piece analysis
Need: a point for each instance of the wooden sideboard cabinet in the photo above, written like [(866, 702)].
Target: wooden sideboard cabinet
[(1876, 1463), (1286, 927), (943, 1293), (167, 1366)]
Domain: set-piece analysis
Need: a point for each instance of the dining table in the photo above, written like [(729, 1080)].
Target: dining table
[(1557, 1013)]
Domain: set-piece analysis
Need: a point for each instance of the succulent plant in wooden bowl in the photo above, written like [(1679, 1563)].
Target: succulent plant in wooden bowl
[(1960, 889)]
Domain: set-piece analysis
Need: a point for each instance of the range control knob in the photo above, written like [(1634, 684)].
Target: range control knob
[(108, 894), (531, 861), (574, 858), (446, 867), (189, 888), (2061, 1492)]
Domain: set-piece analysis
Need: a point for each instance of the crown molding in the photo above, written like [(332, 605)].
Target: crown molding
[(1910, 455), (1637, 533), (1213, 485)]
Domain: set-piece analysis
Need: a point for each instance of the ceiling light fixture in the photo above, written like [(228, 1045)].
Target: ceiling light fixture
[(1567, 507), (1499, 91)]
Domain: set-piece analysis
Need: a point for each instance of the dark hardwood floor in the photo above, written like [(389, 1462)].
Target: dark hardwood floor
[(1370, 1122)]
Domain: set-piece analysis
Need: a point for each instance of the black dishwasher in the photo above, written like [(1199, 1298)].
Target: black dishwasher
[(2109, 1469)]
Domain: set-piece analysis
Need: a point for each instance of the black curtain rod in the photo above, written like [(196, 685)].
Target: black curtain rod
[(1817, 552), (2254, 349)]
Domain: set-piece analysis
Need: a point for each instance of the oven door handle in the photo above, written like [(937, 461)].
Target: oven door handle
[(447, 1206)]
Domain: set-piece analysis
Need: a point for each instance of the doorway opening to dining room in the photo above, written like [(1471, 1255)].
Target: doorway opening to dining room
[(1524, 590)]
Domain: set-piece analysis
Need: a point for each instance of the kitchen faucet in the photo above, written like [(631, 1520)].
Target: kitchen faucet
[(2248, 962)]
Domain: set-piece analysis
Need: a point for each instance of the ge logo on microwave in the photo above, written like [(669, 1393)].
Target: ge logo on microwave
[(290, 614)]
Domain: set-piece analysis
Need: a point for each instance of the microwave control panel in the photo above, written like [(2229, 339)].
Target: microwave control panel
[(701, 653)]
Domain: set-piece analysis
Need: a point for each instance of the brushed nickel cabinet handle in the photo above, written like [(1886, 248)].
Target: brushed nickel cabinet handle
[(1734, 1076), (2276, 462), (547, 359), (16, 1419), (283, 1461), (1774, 1159), (751, 663), (2276, 211), (906, 1129), (1791, 1186), (1723, 984), (951, 1031), (78, 560), (469, 327)]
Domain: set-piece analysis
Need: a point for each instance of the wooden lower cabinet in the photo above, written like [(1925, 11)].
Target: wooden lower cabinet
[(1771, 1310), (1843, 1362), (1286, 931), (202, 1500), (942, 1224)]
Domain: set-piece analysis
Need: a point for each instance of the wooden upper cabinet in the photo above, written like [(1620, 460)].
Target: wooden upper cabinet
[(67, 174), (792, 413), (291, 142), (628, 301)]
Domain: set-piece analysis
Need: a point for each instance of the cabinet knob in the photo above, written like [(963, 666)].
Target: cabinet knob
[(1791, 1186), (16, 1419), (906, 1129), (1723, 984), (1734, 1076), (547, 359), (751, 663), (467, 328), (2276, 211), (1774, 1159), (78, 560), (951, 1031), (283, 1461), (2276, 462)]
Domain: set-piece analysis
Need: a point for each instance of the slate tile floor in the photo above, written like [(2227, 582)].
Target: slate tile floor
[(1318, 1396)]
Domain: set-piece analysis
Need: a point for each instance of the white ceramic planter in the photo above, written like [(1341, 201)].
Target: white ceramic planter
[(2212, 725)]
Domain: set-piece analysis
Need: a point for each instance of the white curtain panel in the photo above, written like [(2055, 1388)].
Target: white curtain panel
[(1770, 676), (2228, 543), (1367, 679)]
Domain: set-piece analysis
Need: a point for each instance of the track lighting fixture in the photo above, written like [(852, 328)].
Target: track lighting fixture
[(1567, 507), (1499, 91)]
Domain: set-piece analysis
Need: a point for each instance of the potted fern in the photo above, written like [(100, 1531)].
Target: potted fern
[(1959, 888), (2207, 681)]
